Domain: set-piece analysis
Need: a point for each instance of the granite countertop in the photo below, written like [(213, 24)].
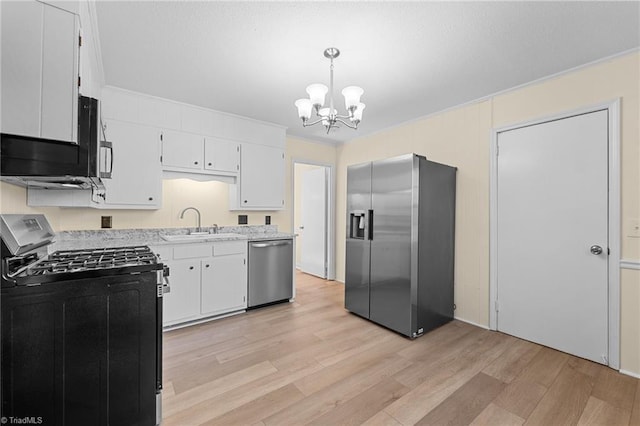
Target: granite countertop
[(70, 240)]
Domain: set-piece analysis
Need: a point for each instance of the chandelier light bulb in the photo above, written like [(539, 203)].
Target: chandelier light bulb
[(317, 93), (304, 108), (352, 96), (357, 114)]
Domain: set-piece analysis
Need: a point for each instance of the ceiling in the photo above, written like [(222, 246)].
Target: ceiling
[(412, 58)]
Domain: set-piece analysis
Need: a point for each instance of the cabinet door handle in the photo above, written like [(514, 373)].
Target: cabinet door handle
[(150, 198), (191, 267), (245, 201), (206, 266), (209, 164), (195, 162), (107, 146)]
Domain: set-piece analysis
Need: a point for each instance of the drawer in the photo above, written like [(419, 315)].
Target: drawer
[(189, 251), (231, 247)]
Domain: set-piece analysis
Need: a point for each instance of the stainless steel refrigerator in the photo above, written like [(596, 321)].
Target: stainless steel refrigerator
[(400, 243)]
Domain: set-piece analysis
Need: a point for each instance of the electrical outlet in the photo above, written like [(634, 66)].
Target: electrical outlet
[(243, 219), (267, 220), (106, 222)]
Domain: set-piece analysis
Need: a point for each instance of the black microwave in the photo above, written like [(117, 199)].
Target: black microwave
[(25, 159)]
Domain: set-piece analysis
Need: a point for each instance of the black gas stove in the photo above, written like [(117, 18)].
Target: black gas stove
[(81, 330), (65, 265)]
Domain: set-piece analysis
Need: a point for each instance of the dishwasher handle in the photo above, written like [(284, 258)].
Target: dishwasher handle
[(271, 244)]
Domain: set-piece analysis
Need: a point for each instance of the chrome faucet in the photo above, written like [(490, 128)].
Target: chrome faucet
[(213, 229), (199, 228)]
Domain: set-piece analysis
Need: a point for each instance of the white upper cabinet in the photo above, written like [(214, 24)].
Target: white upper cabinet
[(40, 45), (202, 144), (221, 155), (261, 179), (195, 154), (182, 150), (137, 174)]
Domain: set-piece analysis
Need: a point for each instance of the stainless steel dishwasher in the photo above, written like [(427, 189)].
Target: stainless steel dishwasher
[(270, 271)]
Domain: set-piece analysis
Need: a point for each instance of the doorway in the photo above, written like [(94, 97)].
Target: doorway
[(554, 236), (312, 218)]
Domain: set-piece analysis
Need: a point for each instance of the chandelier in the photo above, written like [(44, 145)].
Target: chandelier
[(328, 116)]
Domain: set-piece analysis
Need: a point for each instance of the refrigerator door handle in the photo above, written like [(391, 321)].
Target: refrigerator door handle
[(370, 233)]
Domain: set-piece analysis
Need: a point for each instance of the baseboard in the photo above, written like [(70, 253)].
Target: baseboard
[(471, 322), (630, 373), (201, 320)]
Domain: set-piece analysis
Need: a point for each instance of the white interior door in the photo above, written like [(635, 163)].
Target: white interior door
[(552, 212), (313, 250)]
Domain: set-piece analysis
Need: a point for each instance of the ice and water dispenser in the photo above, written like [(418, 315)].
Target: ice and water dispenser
[(357, 220)]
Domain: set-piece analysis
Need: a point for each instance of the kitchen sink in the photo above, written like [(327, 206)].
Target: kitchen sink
[(199, 237)]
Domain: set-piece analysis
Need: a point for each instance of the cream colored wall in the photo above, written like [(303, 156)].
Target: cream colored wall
[(211, 198), (461, 137), (299, 170)]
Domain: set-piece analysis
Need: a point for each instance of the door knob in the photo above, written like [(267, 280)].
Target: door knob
[(595, 249)]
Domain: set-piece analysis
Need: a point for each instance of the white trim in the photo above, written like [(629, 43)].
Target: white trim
[(614, 263), (472, 323), (315, 141), (331, 202), (630, 373), (615, 200), (493, 230), (630, 264), (201, 320), (498, 93)]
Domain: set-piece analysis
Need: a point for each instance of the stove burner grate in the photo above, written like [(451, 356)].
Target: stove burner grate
[(84, 260)]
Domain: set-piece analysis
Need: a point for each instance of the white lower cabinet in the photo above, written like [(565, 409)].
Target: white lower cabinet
[(182, 302), (206, 280), (219, 293)]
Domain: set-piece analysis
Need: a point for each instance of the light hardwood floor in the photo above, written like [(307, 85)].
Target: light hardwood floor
[(311, 362)]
